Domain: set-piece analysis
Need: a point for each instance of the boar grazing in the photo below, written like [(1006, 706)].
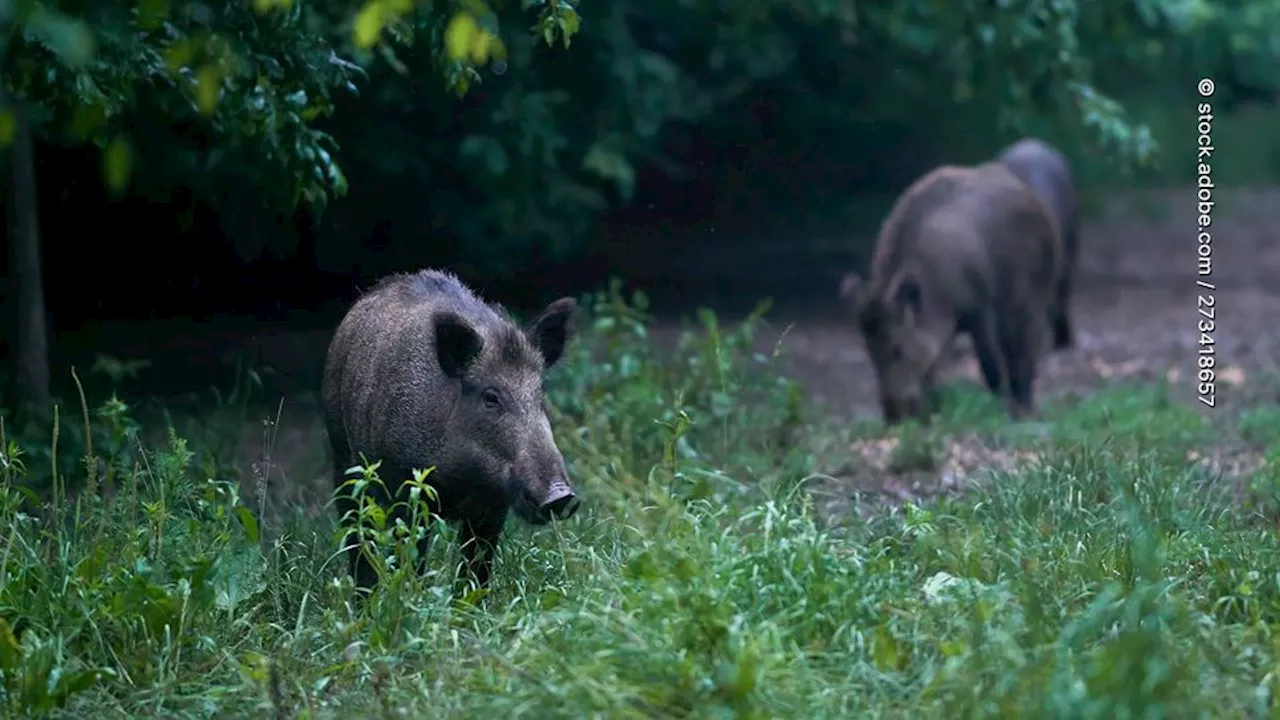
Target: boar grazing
[(964, 250), (1049, 176), (422, 373)]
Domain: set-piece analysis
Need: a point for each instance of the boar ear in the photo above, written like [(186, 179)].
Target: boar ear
[(457, 344), (552, 331), (850, 287)]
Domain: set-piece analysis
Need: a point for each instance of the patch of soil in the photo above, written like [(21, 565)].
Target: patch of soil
[(883, 470), (1229, 462)]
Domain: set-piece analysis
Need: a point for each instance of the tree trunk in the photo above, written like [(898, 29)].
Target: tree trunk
[(30, 351)]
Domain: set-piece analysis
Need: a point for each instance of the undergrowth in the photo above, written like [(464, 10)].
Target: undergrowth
[(1110, 578)]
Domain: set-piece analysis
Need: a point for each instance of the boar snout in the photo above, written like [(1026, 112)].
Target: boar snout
[(558, 502), (561, 504)]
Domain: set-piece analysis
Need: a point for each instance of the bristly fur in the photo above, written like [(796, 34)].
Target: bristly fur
[(965, 249), (1047, 173), (422, 373), (911, 209), (512, 344)]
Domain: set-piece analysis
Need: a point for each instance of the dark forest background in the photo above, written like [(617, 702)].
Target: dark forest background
[(244, 168)]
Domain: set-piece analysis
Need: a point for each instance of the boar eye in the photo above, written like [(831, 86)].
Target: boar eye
[(491, 399)]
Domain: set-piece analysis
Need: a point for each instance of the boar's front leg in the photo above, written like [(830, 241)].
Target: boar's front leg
[(986, 345), (424, 547), (362, 570), (1064, 336), (479, 539)]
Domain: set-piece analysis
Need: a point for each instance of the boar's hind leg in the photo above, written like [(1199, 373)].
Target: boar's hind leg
[(982, 330), (1063, 335), (479, 540), (424, 547), (362, 568), (396, 478), (1020, 344), (361, 571)]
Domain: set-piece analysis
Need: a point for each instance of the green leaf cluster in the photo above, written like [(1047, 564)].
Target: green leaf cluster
[(206, 94)]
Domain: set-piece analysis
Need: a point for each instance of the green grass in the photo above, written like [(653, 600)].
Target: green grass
[(1110, 579)]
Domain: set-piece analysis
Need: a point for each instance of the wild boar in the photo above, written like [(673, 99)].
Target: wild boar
[(964, 250), (1048, 174), (423, 373)]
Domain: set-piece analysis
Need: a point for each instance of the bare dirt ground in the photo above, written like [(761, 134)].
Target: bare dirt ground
[(1135, 312)]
